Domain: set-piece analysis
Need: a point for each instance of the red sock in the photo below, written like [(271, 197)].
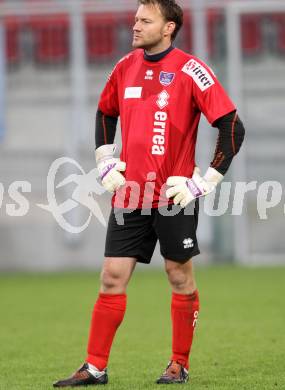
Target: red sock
[(107, 316), (184, 314)]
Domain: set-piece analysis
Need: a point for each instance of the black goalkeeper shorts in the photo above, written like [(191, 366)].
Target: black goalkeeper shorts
[(134, 234)]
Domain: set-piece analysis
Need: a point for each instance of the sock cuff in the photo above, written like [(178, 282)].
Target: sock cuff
[(186, 297), (112, 296), (112, 301)]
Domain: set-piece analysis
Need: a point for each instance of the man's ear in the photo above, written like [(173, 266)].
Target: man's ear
[(169, 28)]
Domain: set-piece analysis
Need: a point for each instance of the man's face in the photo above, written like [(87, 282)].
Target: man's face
[(150, 27)]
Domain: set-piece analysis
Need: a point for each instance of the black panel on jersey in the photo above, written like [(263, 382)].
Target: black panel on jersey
[(230, 138), (105, 129)]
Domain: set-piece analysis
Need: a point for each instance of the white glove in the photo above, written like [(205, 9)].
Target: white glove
[(184, 190), (109, 167)]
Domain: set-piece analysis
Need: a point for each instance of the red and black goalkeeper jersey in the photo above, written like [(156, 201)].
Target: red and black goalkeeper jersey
[(160, 104)]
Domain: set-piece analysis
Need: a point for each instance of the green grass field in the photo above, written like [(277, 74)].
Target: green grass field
[(239, 344)]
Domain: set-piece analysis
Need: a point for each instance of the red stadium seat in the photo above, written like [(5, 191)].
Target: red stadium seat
[(12, 29), (215, 19), (186, 33), (51, 37), (251, 28), (101, 37)]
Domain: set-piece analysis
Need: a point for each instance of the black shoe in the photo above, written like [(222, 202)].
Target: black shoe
[(174, 373), (83, 377)]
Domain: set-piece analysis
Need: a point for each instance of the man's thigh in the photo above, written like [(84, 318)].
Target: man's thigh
[(177, 233), (136, 237)]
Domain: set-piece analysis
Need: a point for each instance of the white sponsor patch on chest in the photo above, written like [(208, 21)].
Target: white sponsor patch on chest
[(199, 74), (133, 92)]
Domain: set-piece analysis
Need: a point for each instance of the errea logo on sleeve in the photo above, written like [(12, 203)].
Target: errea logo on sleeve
[(199, 74)]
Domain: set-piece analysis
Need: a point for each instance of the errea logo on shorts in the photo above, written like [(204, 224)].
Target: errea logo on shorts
[(199, 74), (188, 243)]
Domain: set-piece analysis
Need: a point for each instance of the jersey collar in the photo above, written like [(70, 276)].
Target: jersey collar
[(157, 57)]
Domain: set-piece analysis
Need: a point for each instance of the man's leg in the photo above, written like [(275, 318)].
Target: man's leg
[(184, 308), (109, 308), (125, 245), (107, 316), (184, 315), (176, 232)]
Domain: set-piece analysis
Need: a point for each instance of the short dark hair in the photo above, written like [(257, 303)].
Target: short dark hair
[(171, 12)]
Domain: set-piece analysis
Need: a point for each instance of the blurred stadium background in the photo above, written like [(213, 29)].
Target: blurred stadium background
[(54, 60)]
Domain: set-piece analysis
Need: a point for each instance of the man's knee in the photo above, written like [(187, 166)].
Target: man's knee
[(177, 278), (180, 277), (116, 274), (112, 278)]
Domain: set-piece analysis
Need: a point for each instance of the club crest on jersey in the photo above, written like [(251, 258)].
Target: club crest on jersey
[(162, 100), (199, 74), (166, 78)]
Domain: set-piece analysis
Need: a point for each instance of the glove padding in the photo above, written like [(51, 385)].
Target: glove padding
[(183, 189), (109, 167)]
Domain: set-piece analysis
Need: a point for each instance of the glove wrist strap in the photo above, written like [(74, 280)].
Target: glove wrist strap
[(213, 176), (105, 152)]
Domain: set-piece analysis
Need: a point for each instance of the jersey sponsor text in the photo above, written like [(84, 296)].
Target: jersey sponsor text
[(158, 138), (199, 74)]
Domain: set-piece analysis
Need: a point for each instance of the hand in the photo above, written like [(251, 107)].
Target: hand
[(109, 167), (183, 190)]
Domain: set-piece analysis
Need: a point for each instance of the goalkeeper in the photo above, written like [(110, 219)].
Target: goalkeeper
[(159, 92)]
